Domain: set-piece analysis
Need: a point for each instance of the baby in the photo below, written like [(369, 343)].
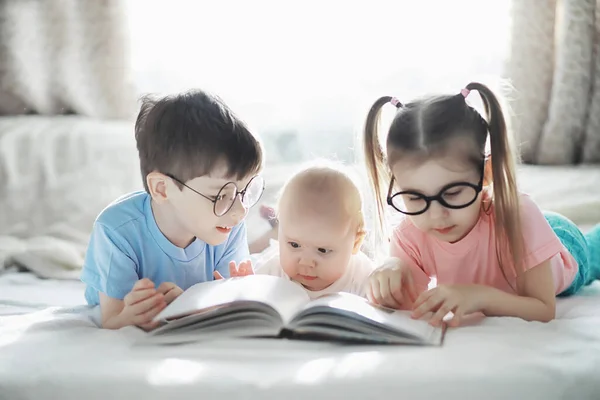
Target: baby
[(320, 229)]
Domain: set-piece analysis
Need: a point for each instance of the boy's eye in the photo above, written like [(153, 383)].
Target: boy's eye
[(323, 250), (294, 245)]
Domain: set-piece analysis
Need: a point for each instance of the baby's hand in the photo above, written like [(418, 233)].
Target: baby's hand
[(142, 304), (392, 285), (244, 269), (170, 290)]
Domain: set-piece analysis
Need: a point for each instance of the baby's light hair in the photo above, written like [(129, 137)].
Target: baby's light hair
[(328, 179)]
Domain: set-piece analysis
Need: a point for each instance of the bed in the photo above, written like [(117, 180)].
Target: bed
[(55, 350), (50, 346)]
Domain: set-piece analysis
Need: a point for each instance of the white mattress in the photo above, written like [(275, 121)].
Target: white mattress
[(60, 353)]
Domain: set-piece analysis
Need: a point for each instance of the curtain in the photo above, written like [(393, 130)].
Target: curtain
[(553, 69), (65, 57)]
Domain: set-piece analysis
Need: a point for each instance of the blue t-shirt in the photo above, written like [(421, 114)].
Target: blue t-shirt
[(126, 245)]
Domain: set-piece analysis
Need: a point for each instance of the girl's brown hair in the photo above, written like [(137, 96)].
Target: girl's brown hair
[(430, 127)]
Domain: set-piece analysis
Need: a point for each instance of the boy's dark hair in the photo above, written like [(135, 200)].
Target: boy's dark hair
[(188, 134)]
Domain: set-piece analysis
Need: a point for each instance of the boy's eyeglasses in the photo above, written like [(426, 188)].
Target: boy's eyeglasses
[(228, 193), (455, 196)]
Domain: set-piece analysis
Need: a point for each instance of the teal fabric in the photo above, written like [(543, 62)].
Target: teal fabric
[(584, 248)]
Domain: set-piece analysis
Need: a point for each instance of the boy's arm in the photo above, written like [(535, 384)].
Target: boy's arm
[(235, 249), (110, 271), (139, 307)]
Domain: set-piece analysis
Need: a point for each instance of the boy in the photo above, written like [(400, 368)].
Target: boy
[(199, 165)]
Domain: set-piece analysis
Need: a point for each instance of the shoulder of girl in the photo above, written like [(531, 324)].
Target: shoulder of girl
[(406, 228), (526, 202)]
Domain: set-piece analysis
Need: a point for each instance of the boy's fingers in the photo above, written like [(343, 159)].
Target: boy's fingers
[(150, 325), (217, 275), (143, 284), (246, 268), (233, 268), (146, 317), (165, 287), (147, 304), (136, 296), (173, 294)]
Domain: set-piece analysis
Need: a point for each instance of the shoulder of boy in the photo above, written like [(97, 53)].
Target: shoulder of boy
[(123, 210)]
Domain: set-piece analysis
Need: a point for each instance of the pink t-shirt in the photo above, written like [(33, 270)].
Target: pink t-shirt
[(473, 259)]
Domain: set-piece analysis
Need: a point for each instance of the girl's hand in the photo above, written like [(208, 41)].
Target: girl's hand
[(391, 285), (458, 299)]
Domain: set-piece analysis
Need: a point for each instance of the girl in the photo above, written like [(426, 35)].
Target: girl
[(489, 247)]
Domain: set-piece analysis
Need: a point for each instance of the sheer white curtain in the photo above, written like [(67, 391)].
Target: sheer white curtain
[(304, 74)]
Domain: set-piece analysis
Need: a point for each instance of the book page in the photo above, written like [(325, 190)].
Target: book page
[(284, 296), (358, 311)]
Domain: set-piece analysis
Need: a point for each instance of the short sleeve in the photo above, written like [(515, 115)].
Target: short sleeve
[(235, 249), (107, 267), (404, 246), (541, 243)]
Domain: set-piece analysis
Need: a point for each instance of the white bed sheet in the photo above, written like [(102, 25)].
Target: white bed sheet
[(59, 352)]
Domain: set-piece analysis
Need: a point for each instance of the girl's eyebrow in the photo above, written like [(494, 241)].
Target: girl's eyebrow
[(439, 188)]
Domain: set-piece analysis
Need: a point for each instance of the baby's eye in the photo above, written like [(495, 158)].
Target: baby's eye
[(294, 245), (323, 250)]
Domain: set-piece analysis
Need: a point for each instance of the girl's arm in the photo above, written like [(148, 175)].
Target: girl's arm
[(536, 300)]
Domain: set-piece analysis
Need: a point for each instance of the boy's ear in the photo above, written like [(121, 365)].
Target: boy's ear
[(157, 186), (360, 237)]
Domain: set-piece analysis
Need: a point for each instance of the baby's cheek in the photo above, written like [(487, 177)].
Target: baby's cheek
[(288, 266), (334, 270)]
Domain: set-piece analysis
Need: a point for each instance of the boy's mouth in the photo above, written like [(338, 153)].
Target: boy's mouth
[(224, 229)]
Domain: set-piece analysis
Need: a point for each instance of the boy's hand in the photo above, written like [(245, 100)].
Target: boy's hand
[(391, 285), (142, 304), (244, 269), (170, 290)]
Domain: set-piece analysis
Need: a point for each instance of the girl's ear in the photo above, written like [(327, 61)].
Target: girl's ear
[(487, 172), (358, 241)]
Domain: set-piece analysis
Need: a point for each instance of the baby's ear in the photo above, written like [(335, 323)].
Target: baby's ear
[(358, 241)]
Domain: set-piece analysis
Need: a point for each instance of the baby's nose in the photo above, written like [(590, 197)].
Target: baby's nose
[(307, 262)]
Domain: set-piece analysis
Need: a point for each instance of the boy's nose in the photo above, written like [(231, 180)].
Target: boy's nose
[(238, 211)]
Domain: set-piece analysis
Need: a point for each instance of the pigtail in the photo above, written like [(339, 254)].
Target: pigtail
[(377, 168), (509, 232)]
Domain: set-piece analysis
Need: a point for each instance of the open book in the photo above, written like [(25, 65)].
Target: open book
[(269, 306)]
